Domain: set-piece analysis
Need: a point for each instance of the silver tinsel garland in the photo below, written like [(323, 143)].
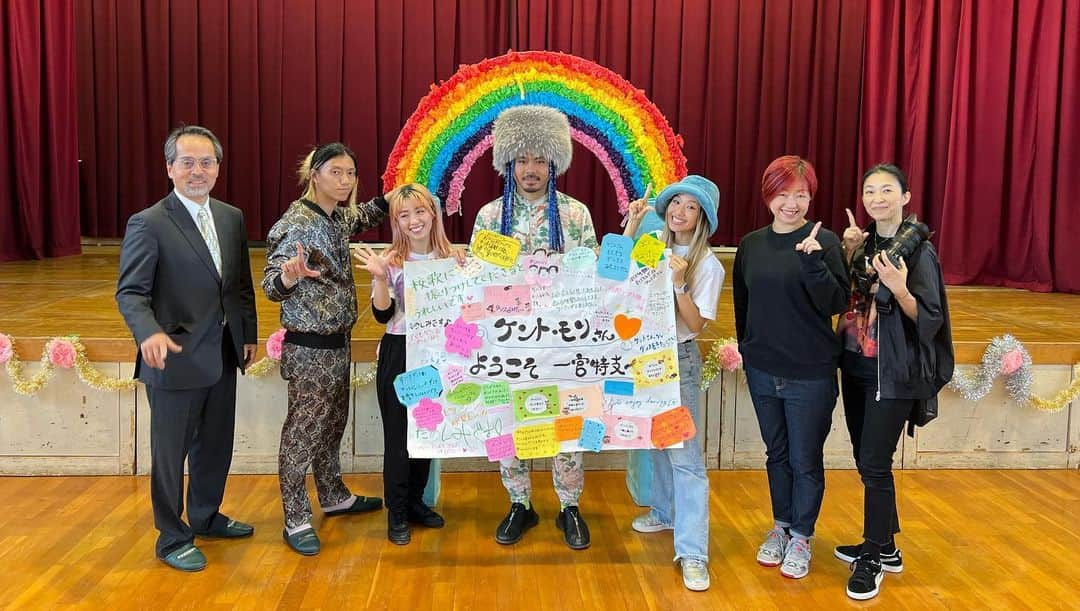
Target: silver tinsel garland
[(1018, 383)]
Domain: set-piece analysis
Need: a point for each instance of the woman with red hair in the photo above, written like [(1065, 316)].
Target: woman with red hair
[(789, 281)]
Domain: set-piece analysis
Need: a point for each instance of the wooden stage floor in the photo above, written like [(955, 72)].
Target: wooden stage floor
[(74, 295), (971, 540)]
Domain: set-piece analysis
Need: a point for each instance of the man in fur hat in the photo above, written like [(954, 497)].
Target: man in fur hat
[(532, 147)]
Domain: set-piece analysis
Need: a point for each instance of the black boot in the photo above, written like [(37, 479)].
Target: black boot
[(421, 514), (575, 530), (397, 527), (514, 525)]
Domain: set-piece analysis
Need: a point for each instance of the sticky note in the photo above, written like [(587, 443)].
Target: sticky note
[(428, 414), (512, 300), (536, 441), (626, 327), (592, 435), (614, 261), (618, 387), (568, 428), (584, 401), (471, 269), (539, 269), (579, 259), (655, 368), (464, 394), (628, 431), (496, 393), (648, 250), (499, 447), (455, 375), (415, 384), (539, 402), (495, 248), (672, 427), (462, 337), (473, 311)]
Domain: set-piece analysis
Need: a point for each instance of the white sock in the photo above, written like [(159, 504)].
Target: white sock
[(342, 505), (293, 531)]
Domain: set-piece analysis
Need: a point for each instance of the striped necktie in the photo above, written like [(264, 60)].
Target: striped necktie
[(209, 236)]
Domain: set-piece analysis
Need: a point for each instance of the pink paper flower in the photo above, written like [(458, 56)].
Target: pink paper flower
[(62, 353), (730, 359), (6, 349), (1012, 361), (273, 344)]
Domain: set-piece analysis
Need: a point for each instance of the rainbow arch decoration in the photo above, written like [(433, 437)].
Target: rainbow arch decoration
[(451, 126)]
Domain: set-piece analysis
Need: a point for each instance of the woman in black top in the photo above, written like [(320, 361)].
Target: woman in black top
[(789, 280), (897, 355)]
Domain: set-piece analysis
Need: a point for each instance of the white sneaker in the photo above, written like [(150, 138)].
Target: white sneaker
[(649, 523), (771, 552), (695, 574), (796, 558)]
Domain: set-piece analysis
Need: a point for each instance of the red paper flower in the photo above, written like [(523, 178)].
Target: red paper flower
[(274, 344), (62, 353)]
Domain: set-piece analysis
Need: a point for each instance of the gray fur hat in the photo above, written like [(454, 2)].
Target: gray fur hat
[(540, 130)]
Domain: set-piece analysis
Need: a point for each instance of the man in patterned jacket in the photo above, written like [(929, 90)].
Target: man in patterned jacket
[(532, 147)]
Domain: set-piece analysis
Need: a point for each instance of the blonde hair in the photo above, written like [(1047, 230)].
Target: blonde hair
[(326, 152), (399, 245), (699, 246)]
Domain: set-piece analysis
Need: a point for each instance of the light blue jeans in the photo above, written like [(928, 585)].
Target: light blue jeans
[(680, 487)]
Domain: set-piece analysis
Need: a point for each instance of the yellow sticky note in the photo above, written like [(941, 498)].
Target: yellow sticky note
[(495, 248), (648, 250), (654, 369), (536, 441)]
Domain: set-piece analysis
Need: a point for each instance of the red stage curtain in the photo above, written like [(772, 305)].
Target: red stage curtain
[(742, 81), (979, 102), (39, 171), (271, 78)]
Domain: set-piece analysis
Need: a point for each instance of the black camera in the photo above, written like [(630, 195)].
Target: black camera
[(908, 237)]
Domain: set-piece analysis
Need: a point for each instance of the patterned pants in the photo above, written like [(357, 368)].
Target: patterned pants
[(567, 471), (311, 436)]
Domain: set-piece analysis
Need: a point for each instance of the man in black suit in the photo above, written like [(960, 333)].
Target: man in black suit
[(185, 291)]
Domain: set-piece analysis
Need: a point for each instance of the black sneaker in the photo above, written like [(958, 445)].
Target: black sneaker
[(575, 530), (866, 576), (397, 528), (890, 563), (513, 526), (423, 515)]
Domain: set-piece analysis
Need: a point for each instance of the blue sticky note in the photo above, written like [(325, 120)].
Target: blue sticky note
[(618, 387), (592, 435), (417, 384), (614, 261)]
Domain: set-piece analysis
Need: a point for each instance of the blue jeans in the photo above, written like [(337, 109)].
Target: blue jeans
[(680, 487), (794, 417)]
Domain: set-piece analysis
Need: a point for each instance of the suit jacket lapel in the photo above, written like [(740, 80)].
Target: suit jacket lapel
[(186, 225)]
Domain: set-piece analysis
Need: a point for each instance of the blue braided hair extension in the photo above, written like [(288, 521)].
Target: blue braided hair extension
[(508, 199), (555, 237)]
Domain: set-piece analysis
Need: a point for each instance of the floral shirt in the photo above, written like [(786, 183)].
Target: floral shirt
[(326, 304), (529, 223)]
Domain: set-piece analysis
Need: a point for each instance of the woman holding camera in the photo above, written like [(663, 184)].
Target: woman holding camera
[(897, 355)]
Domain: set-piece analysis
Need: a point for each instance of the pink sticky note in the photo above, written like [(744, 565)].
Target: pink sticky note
[(499, 447), (473, 311), (628, 431), (461, 337), (454, 375), (513, 300), (428, 414)]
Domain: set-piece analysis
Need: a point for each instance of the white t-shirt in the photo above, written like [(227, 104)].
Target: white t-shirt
[(704, 290)]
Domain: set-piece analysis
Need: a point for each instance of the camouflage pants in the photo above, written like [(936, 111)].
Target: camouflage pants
[(567, 472)]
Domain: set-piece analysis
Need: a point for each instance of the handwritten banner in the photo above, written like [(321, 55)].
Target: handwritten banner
[(542, 354)]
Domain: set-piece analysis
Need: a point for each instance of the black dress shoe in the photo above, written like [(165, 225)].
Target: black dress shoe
[(362, 504), (514, 525), (423, 515), (305, 542), (229, 529), (575, 530), (397, 528)]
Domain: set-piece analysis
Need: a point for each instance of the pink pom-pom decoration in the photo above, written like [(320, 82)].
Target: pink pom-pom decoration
[(274, 343), (6, 350), (1012, 361), (730, 359), (62, 353)]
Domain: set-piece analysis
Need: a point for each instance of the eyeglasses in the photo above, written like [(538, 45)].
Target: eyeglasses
[(188, 163)]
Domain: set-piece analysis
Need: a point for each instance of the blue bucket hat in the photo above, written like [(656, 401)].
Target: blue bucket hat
[(701, 188)]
